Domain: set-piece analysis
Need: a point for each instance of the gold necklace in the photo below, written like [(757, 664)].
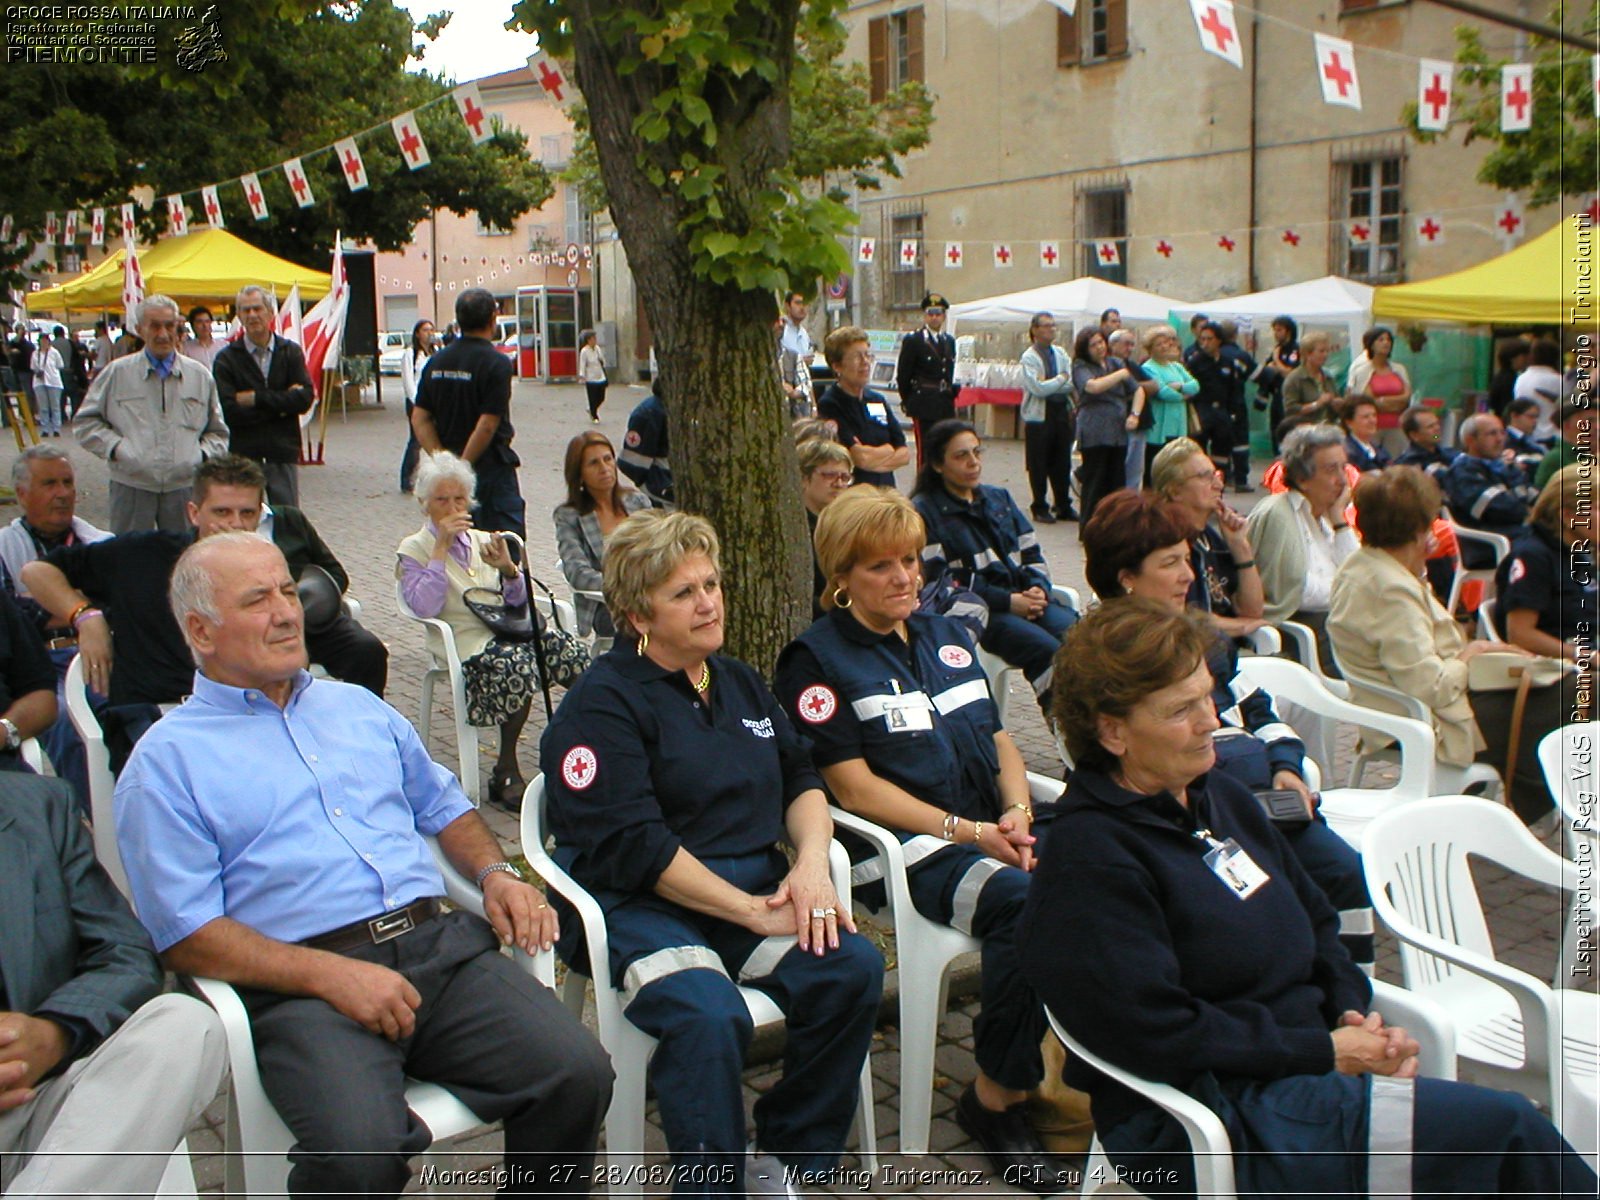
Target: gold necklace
[(700, 685)]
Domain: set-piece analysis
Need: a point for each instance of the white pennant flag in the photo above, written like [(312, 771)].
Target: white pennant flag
[(323, 328), (865, 251), (412, 148), (1107, 254), (97, 228), (50, 228), (953, 255), (349, 156), (213, 207), (132, 285), (253, 196), (1050, 256), (298, 183), (552, 77), (1516, 98), (470, 105), (177, 216), (1509, 219), (287, 323), (1002, 256), (1434, 81), (1336, 71), (908, 252), (1219, 33), (128, 220), (69, 233), (1429, 230), (1359, 232)]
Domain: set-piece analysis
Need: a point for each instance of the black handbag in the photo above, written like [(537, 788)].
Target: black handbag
[(510, 622)]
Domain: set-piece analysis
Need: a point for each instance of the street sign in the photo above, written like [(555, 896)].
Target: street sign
[(573, 254)]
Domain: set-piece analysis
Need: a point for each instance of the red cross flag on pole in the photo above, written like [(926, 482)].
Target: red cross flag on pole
[(69, 233), (253, 196), (1107, 254), (553, 78), (287, 323), (1050, 256), (1219, 33), (1429, 229), (132, 284), (50, 228), (355, 171), (953, 254), (865, 250), (213, 207), (1002, 255), (470, 105), (127, 220), (97, 228), (1434, 78), (177, 216), (298, 183), (1516, 98), (908, 252), (411, 147), (1336, 71), (323, 333)]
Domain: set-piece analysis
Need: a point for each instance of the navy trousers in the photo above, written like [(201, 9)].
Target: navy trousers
[(1031, 645)]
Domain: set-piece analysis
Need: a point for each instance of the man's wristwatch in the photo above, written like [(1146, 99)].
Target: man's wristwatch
[(494, 867), (13, 734)]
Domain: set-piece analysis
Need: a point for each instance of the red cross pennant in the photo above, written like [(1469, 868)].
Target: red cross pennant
[(296, 175), (1164, 248), (1291, 238), (1360, 233), (1516, 97), (1430, 231), (69, 233), (1226, 243), (208, 200), (866, 250), (470, 105), (349, 155), (411, 146), (177, 218), (50, 227), (1107, 253), (1336, 69), (253, 196), (553, 78), (97, 228), (127, 220), (1433, 94), (908, 251), (1509, 220), (1049, 256), (1002, 255), (952, 254), (1219, 34)]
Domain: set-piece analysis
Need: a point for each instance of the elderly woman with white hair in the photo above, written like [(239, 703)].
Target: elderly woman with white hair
[(437, 566)]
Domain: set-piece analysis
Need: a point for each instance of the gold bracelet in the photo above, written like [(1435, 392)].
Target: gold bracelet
[(1025, 809), (977, 832)]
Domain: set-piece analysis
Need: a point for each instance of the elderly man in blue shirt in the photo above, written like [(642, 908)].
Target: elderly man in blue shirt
[(273, 829)]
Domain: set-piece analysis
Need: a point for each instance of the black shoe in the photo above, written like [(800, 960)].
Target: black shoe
[(1240, 489), (1043, 515), (1015, 1152), (1067, 514)]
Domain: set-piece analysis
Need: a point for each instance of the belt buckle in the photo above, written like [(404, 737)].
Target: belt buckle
[(390, 926)]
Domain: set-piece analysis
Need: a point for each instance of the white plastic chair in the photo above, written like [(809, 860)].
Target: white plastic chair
[(32, 754), (999, 672), (446, 665), (924, 950), (1487, 630), (629, 1046), (1321, 736), (97, 764), (1499, 546), (1514, 1031), (1567, 759), (598, 645)]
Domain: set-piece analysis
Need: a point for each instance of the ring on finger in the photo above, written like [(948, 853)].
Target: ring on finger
[(818, 914), (830, 912)]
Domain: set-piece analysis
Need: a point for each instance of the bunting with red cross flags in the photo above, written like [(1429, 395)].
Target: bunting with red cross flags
[(127, 220), (865, 250), (298, 183), (1050, 256), (1336, 71), (69, 232), (253, 196), (1107, 254), (213, 207), (1429, 229), (1359, 231), (470, 105), (1219, 32), (350, 164), (553, 79), (1508, 220), (953, 255), (177, 216), (1291, 239), (1002, 256), (1434, 80), (97, 228), (412, 148), (908, 252), (50, 228), (1164, 248), (1516, 98)]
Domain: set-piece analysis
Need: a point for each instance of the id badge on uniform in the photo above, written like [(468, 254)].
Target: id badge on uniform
[(878, 411), (903, 714), (1230, 863)]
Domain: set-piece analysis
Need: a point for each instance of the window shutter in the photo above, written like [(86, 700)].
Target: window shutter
[(1116, 28), (878, 56), (914, 57), (1069, 50)]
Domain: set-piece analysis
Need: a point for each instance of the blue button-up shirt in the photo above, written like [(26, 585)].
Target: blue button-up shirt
[(293, 821), (161, 366)]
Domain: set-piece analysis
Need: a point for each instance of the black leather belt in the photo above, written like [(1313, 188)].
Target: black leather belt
[(376, 930)]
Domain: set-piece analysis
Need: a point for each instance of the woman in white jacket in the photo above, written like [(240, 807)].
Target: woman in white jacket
[(592, 370), (411, 363), (47, 366)]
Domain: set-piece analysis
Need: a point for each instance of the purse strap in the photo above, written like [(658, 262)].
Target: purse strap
[(1519, 706)]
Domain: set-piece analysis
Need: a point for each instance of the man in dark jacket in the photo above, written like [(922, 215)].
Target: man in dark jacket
[(925, 372), (264, 387), (1482, 490)]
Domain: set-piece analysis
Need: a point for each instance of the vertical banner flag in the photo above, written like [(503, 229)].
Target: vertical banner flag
[(298, 183), (865, 250), (1336, 71), (177, 216), (1050, 256), (470, 105), (349, 156), (69, 233), (132, 283), (1434, 80), (253, 196), (1516, 98), (97, 228), (1219, 34), (213, 206), (127, 220), (1002, 255), (1107, 254), (411, 147), (553, 78), (952, 254), (287, 323), (50, 228), (323, 328)]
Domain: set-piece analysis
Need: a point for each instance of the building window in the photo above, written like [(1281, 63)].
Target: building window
[(579, 222), (485, 230), (1103, 213), (894, 51), (907, 277), (1367, 199), (1099, 31), (555, 150)]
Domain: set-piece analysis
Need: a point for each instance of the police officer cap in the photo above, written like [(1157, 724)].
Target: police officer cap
[(934, 300)]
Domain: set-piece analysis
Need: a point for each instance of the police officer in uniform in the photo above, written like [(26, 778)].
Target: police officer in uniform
[(906, 734), (925, 372), (463, 405)]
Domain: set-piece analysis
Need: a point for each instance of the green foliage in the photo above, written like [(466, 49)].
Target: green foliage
[(1558, 156)]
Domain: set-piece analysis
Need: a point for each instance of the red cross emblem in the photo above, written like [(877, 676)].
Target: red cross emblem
[(1049, 254), (298, 182), (472, 115), (99, 229), (1336, 73), (1429, 229), (579, 768), (1164, 248), (1108, 253), (352, 167), (1436, 97), (1291, 237), (552, 81), (908, 252), (1509, 220), (1518, 98), (958, 657), (1002, 255), (953, 255), (1226, 242), (1217, 28), (817, 704), (212, 210), (410, 143), (1360, 232)]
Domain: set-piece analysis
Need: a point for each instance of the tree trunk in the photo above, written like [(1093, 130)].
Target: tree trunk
[(732, 458)]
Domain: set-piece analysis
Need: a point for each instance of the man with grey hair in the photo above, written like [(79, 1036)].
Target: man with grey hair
[(1483, 491), (274, 833), (154, 417), (265, 388), (1123, 346)]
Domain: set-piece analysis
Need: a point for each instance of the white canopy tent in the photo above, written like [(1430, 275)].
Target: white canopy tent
[(1080, 300), (1331, 300)]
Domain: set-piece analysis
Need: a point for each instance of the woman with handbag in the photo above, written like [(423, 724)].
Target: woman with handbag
[(440, 568), (1387, 626)]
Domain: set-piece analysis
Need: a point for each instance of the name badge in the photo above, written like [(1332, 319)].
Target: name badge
[(1230, 863), (903, 714), (878, 412)]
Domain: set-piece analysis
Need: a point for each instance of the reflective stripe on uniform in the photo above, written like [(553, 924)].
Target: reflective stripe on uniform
[(634, 459), (869, 707), (1389, 1133), (1276, 731), (1485, 499), (932, 551), (964, 905), (962, 694), (982, 559), (913, 852), (1356, 921), (1041, 685), (658, 964), (764, 959), (1027, 541)]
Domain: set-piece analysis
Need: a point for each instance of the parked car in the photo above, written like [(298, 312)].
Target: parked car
[(392, 346)]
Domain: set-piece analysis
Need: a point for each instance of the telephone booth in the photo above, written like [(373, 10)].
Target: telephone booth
[(549, 320)]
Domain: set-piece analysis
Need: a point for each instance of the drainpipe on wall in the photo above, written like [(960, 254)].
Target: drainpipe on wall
[(1250, 244)]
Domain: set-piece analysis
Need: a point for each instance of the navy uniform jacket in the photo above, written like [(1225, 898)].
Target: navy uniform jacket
[(1529, 451), (1486, 493), (987, 545), (644, 449), (1435, 461), (925, 375), (70, 948), (1554, 580), (1361, 458), (638, 765), (862, 420), (840, 680)]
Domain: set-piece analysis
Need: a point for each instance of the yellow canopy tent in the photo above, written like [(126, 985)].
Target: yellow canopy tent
[(1548, 281), (207, 265)]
